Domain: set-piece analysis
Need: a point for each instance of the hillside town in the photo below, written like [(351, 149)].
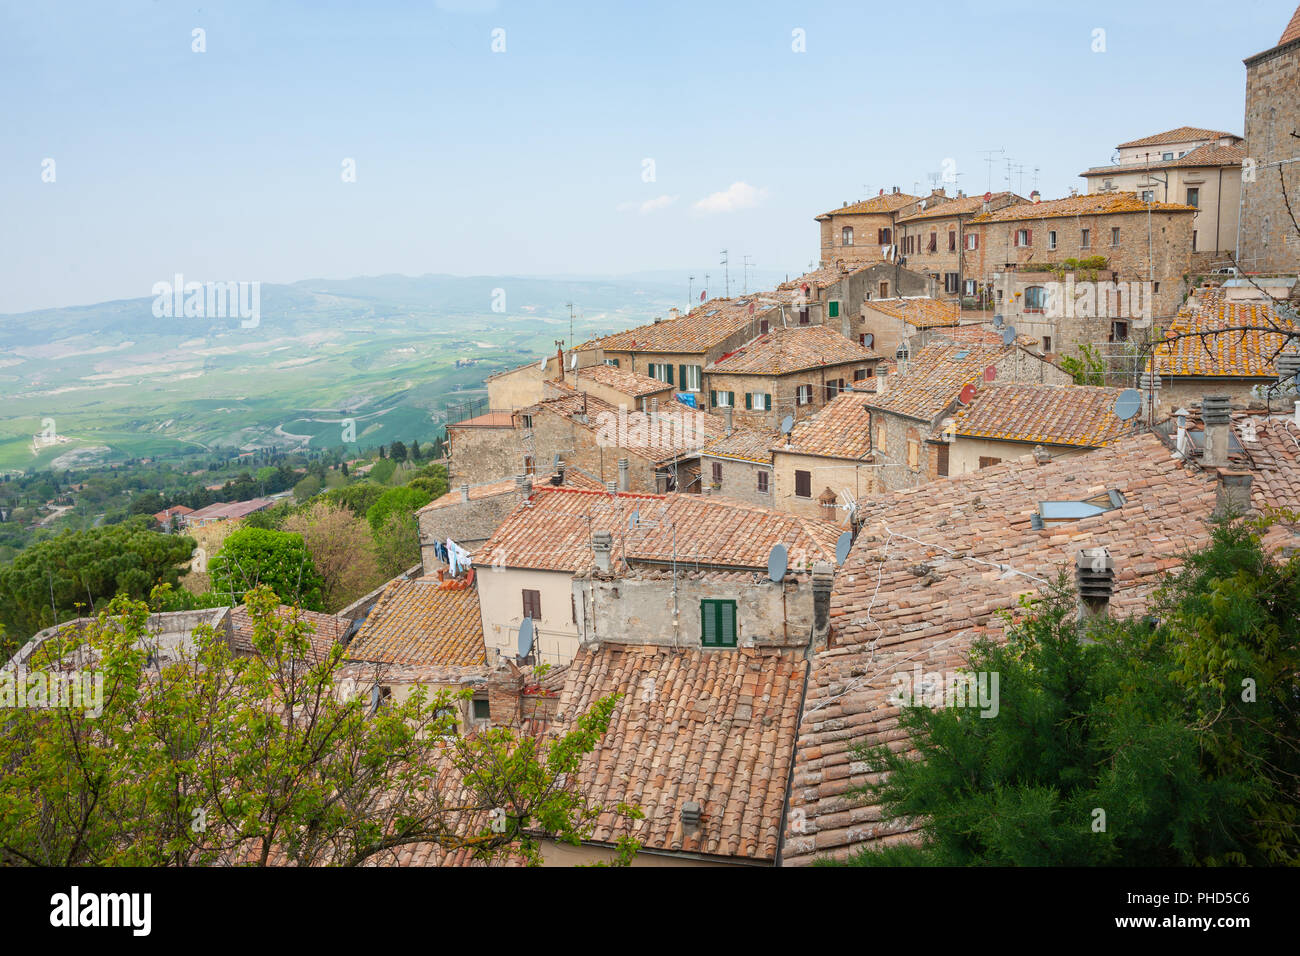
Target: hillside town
[(746, 516)]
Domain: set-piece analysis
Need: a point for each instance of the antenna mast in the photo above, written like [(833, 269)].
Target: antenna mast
[(726, 291)]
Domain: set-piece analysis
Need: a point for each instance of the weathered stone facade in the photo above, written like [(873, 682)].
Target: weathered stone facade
[(1270, 239), (818, 385), (478, 454)]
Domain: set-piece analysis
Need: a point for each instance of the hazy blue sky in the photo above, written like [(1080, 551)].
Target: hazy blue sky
[(226, 165)]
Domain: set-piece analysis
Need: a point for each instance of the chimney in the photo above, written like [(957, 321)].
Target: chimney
[(690, 816), (1215, 413), (1297, 414), (602, 543), (464, 492), (1041, 455), (524, 484), (726, 414), (1035, 196), (654, 412), (1232, 498), (823, 577), (624, 478), (1094, 572), (1150, 387)]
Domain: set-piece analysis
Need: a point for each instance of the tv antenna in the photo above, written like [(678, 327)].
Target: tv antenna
[(747, 263), (690, 282), (726, 293), (988, 155), (570, 305)]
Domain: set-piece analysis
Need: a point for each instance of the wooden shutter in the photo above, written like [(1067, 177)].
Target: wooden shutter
[(533, 604), (713, 398), (727, 623), (749, 400), (1029, 237), (767, 401), (834, 310), (709, 624), (681, 379), (803, 484), (669, 369), (942, 464)]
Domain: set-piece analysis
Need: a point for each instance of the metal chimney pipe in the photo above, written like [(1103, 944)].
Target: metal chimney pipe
[(1216, 413), (1094, 573)]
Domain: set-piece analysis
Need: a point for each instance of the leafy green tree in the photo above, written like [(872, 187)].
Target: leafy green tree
[(84, 568), (397, 451), (382, 471), (194, 762), (1167, 739), (279, 560), (405, 500), (309, 487), (1088, 369), (356, 498), (397, 544)]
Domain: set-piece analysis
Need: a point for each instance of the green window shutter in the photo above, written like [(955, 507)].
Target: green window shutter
[(749, 400), (713, 398), (709, 623), (669, 369), (835, 310), (727, 623), (681, 376), (768, 401), (731, 399)]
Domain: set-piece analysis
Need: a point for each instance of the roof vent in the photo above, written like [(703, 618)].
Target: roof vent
[(691, 815), (1094, 572)]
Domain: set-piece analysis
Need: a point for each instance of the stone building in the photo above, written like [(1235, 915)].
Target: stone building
[(1135, 241), (789, 371), (890, 323), (826, 460), (931, 238), (739, 465), (859, 233), (1270, 238), (1196, 167)]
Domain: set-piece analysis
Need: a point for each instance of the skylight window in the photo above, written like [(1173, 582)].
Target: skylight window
[(1053, 513)]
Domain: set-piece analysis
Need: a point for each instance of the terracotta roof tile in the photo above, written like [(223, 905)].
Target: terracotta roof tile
[(552, 531), (1183, 134), (1210, 154), (632, 384), (1292, 31), (718, 729), (919, 311), (1245, 353), (884, 203), (326, 629), (964, 206), (841, 429), (748, 444), (973, 535), (674, 438), (1081, 415), (698, 331), (790, 349), (1091, 204), (935, 377), (422, 621)]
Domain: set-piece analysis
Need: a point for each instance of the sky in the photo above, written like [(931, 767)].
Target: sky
[(491, 137)]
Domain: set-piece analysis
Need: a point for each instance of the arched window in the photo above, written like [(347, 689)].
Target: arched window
[(1035, 299), (846, 236)]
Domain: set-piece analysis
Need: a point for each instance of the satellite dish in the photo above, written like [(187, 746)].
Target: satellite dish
[(997, 321), (542, 364), (573, 362), (374, 698), (988, 197), (842, 547), (1008, 336), (868, 340), (525, 637), (1128, 404), (777, 563), (787, 423), (632, 520), (967, 394), (991, 373)]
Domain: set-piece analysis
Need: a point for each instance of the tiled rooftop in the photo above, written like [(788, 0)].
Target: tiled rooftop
[(422, 621), (965, 206), (884, 203), (929, 572), (818, 278), (1208, 155), (935, 377), (1092, 204), (1183, 134), (326, 629), (717, 729), (839, 430), (698, 331), (919, 311), (632, 384), (788, 349), (673, 442), (1292, 31), (748, 444), (553, 532), (1244, 353), (1082, 415)]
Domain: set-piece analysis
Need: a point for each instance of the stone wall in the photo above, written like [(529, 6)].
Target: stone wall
[(1269, 240)]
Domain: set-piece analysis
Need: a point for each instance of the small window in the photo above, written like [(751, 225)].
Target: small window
[(1194, 231), (1085, 238), (973, 241), (527, 422), (803, 316), (884, 290), (1194, 196), (846, 236), (530, 466), (934, 243), (762, 482), (482, 709), (718, 623), (970, 287), (803, 395), (951, 282), (1024, 237), (533, 604), (1119, 331), (758, 401), (803, 484), (1047, 343), (1051, 239), (613, 362), (1148, 195), (717, 472), (989, 462), (913, 453), (448, 713), (762, 326), (1166, 157), (722, 399), (833, 310), (952, 241), (1114, 236)]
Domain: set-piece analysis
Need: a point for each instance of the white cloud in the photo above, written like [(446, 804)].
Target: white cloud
[(649, 206), (736, 196)]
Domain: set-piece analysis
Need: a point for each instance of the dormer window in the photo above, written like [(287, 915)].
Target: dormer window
[(1053, 513)]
